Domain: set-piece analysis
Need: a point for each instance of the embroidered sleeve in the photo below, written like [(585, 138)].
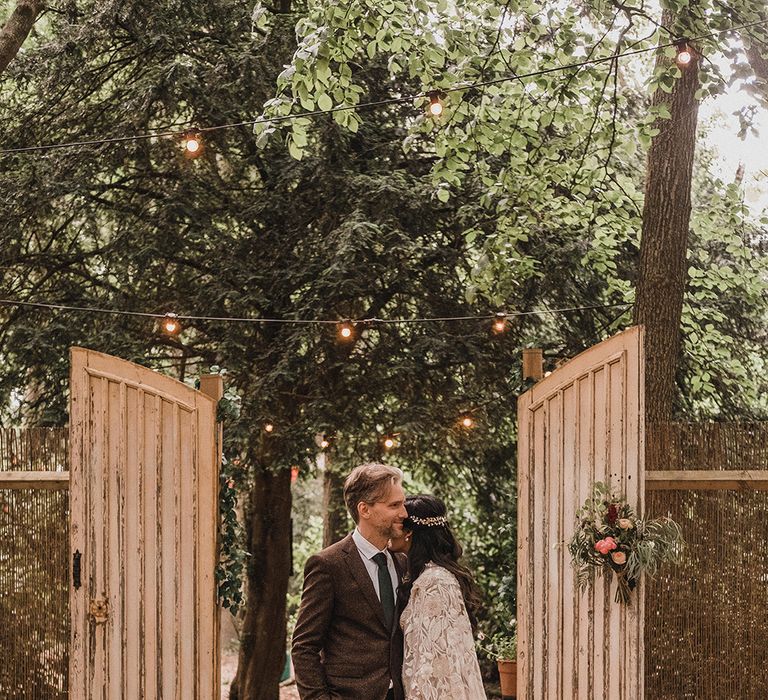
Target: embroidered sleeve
[(439, 653)]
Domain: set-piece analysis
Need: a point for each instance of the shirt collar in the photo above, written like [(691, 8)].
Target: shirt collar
[(365, 548)]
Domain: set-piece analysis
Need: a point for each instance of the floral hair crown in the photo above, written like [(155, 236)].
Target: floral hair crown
[(434, 521)]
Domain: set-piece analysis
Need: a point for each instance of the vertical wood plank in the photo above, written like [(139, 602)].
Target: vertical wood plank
[(554, 560), (585, 456), (78, 516), (616, 667), (210, 446), (569, 487), (602, 591), (100, 519), (186, 560), (132, 577), (209, 463), (169, 534), (114, 558), (151, 601), (538, 516), (524, 550)]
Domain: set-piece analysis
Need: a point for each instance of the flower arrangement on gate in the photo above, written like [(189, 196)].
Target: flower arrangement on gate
[(612, 540)]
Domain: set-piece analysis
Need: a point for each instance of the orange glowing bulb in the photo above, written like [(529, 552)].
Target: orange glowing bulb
[(435, 105), (171, 324), (500, 324), (389, 443), (269, 427), (346, 331), (467, 422), (684, 53)]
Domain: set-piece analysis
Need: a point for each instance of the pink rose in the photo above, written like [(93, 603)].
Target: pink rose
[(606, 545), (619, 558), (625, 523)]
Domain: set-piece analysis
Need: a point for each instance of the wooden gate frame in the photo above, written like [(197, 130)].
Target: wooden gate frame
[(581, 424), (211, 390), (614, 637)]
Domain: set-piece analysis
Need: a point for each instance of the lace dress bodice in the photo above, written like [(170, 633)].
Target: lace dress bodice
[(439, 659)]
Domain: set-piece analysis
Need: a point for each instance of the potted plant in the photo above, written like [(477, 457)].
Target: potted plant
[(502, 648)]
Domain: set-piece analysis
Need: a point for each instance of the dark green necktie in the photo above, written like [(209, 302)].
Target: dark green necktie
[(386, 593)]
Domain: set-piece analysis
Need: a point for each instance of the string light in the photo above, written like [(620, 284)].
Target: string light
[(171, 324), (369, 105), (303, 321), (467, 421), (346, 331), (268, 427), (193, 144), (500, 324), (684, 53), (389, 442), (435, 102), (324, 442)]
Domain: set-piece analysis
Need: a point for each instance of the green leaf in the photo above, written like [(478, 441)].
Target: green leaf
[(324, 102)]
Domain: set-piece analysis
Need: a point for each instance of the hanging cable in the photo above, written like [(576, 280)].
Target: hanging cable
[(367, 105)]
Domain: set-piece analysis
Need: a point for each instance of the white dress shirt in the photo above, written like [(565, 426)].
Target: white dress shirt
[(367, 553)]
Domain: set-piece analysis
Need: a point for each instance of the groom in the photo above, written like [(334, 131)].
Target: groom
[(345, 645)]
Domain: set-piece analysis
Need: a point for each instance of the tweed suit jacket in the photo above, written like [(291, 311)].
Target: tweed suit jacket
[(342, 648)]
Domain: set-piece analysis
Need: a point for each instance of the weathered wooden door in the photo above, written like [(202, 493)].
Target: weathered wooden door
[(582, 424), (143, 533)]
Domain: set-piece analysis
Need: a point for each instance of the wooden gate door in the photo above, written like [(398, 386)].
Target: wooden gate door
[(582, 424), (144, 510)]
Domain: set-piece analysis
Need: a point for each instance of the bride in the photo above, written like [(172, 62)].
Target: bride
[(441, 601)]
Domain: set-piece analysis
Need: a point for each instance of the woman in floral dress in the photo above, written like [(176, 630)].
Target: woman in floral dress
[(441, 601)]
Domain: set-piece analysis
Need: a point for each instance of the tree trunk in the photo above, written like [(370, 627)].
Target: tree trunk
[(263, 639), (335, 523), (17, 28), (662, 274)]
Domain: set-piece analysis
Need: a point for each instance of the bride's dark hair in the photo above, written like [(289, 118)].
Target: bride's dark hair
[(436, 543)]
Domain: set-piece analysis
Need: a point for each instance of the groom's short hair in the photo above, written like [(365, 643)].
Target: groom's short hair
[(369, 483)]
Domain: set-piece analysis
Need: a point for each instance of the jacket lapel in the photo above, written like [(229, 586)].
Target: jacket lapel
[(363, 580)]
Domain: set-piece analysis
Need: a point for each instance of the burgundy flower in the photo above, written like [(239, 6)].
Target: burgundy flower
[(613, 513)]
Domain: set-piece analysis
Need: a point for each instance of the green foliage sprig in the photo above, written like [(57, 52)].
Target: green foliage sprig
[(233, 556), (611, 539), (502, 646)]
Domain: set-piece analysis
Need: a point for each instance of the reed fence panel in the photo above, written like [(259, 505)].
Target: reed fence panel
[(706, 631), (34, 570)]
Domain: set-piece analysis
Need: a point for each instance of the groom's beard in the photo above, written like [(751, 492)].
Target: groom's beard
[(392, 531)]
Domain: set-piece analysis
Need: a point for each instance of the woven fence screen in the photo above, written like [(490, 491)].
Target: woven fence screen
[(706, 627), (34, 546)]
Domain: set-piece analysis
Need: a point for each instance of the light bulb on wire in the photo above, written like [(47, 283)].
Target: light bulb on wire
[(684, 53), (435, 102), (269, 427), (467, 421), (500, 322), (389, 442), (346, 331), (171, 324), (193, 144)]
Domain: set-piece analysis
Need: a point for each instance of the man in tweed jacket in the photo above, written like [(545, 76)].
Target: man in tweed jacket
[(346, 644)]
